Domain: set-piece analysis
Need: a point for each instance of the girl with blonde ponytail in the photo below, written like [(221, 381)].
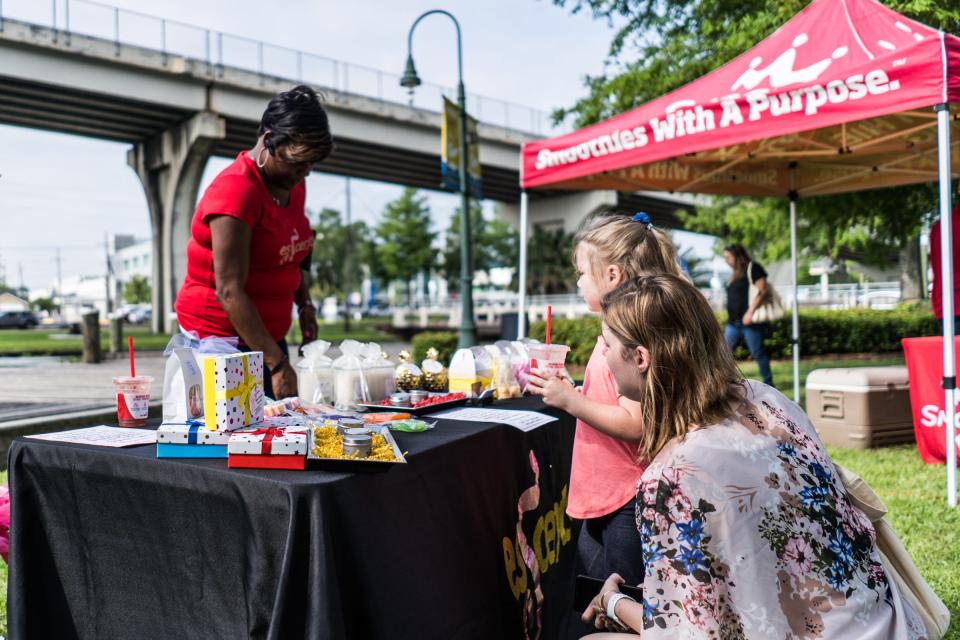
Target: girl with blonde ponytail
[(608, 251)]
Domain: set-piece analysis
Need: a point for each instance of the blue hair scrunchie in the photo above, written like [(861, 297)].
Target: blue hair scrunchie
[(643, 218)]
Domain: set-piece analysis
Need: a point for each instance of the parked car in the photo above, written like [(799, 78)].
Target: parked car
[(140, 315), (18, 319)]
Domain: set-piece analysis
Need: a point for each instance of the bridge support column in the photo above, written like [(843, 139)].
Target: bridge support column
[(170, 166), (565, 212)]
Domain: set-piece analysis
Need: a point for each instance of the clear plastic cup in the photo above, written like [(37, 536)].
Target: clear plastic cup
[(133, 400), (550, 359)]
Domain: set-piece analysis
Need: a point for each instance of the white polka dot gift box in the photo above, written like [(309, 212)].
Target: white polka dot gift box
[(233, 390)]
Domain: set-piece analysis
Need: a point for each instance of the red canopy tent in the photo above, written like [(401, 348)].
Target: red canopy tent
[(837, 99)]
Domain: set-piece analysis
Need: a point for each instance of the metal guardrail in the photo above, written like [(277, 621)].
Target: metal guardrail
[(173, 37), (876, 295), (871, 295)]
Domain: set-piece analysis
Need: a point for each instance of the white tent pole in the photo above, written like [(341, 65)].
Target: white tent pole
[(946, 289), (795, 311), (522, 277)]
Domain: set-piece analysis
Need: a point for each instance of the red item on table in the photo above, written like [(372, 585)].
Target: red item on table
[(431, 400), (133, 367), (240, 461), (549, 321)]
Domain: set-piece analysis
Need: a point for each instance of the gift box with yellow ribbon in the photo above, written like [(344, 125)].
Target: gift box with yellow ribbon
[(233, 390)]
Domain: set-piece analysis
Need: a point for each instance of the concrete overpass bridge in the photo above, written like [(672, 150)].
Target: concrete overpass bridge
[(176, 111)]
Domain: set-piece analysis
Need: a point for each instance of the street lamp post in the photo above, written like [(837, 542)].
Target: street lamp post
[(410, 80)]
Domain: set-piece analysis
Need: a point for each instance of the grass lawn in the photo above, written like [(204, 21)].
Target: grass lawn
[(57, 342), (363, 330), (915, 494)]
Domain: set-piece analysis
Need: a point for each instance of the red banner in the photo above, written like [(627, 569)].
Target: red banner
[(925, 367)]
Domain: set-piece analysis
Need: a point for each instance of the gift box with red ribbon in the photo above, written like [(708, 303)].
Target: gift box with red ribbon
[(267, 447)]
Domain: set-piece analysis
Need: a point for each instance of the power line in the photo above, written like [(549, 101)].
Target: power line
[(64, 247)]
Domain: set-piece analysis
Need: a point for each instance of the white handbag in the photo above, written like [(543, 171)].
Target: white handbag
[(772, 308), (896, 560)]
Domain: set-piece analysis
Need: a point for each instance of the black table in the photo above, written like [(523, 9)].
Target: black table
[(114, 543)]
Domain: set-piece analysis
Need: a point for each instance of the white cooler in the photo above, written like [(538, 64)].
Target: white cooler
[(861, 407)]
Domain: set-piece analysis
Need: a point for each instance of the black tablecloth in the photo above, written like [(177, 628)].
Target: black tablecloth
[(115, 543)]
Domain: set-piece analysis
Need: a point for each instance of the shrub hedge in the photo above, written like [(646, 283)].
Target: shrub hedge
[(443, 341), (849, 331), (821, 332)]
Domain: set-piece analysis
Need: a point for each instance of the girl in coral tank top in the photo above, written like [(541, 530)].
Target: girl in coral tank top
[(606, 466)]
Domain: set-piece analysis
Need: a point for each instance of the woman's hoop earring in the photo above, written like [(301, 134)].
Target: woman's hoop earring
[(259, 156)]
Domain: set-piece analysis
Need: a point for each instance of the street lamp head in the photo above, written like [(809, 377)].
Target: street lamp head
[(410, 79)]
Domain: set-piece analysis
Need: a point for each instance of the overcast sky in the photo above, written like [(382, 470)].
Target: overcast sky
[(68, 192)]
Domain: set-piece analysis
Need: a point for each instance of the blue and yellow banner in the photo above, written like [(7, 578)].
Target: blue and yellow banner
[(450, 151)]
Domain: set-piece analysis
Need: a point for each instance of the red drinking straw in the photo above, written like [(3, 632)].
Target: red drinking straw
[(549, 320), (133, 369)]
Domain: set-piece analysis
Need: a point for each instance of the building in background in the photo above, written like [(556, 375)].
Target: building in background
[(10, 302), (125, 257), (131, 258)]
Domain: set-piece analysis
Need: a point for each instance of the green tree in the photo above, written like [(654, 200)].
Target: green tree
[(495, 244), (137, 290), (549, 265), (696, 265), (330, 249), (502, 242), (660, 46), (44, 304), (405, 247)]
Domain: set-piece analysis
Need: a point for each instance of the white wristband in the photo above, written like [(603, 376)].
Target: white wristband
[(612, 606)]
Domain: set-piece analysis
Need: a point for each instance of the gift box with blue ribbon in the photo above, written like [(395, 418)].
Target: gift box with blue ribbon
[(190, 440)]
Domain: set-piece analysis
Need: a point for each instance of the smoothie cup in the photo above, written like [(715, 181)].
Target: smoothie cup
[(548, 358), (133, 400)]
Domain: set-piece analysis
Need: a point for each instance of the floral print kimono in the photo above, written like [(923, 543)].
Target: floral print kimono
[(747, 532)]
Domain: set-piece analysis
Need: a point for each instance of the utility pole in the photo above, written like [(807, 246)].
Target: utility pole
[(347, 260), (106, 251), (59, 288)]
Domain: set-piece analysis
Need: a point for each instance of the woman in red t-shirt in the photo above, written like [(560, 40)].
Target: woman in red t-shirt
[(248, 257)]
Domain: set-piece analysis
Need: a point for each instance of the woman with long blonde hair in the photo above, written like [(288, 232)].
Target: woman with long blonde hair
[(746, 528)]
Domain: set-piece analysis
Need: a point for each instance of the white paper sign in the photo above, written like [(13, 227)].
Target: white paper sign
[(102, 436), (523, 420)]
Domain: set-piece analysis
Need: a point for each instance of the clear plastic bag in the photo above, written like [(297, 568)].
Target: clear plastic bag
[(379, 371), (315, 377), (350, 380), (182, 376)]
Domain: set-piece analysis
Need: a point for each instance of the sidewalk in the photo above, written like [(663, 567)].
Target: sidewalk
[(39, 395), (50, 386)]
